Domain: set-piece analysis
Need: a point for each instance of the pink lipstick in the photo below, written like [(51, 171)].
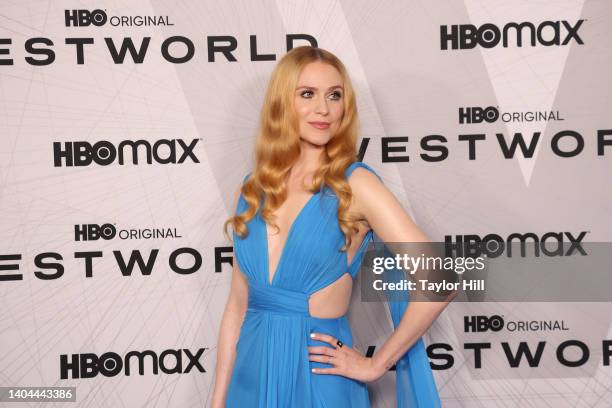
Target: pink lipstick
[(320, 125)]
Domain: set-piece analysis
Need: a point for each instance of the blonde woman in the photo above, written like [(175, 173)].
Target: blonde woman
[(303, 219)]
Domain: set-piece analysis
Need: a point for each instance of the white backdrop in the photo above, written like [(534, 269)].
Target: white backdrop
[(67, 295)]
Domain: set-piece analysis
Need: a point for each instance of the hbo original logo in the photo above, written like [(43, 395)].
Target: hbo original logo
[(93, 232), (477, 114), (84, 18), (483, 323)]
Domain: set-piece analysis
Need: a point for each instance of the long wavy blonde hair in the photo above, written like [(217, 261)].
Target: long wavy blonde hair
[(278, 146)]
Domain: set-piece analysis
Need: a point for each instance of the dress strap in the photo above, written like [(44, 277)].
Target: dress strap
[(355, 264), (349, 170), (415, 382), (353, 268)]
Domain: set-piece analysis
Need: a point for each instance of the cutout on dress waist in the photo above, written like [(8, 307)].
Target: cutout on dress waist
[(333, 295), (354, 256)]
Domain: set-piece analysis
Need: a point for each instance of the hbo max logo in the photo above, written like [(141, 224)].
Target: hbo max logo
[(89, 365), (85, 18), (104, 153), (482, 323), (547, 33)]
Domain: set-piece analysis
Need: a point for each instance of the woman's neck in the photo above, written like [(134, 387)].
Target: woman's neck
[(309, 160)]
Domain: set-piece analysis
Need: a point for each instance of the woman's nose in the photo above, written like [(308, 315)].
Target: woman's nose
[(322, 107)]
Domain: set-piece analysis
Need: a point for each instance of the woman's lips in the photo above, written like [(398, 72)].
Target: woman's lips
[(320, 125)]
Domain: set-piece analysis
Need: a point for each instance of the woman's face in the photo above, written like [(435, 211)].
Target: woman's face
[(319, 102)]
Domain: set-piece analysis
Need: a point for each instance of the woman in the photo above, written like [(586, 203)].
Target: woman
[(285, 340)]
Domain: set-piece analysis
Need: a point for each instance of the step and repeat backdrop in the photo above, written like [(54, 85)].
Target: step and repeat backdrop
[(126, 127)]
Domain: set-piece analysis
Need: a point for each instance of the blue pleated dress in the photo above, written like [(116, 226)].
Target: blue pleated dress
[(272, 368)]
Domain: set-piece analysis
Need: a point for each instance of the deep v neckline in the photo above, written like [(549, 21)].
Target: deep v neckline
[(284, 246)]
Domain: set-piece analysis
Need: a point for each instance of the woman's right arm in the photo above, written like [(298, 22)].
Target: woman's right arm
[(229, 332)]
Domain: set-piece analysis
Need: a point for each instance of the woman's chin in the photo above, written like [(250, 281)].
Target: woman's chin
[(315, 141)]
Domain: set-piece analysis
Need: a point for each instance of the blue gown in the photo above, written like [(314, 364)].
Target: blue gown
[(272, 368)]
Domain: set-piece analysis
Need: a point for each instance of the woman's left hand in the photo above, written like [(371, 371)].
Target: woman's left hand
[(346, 361)]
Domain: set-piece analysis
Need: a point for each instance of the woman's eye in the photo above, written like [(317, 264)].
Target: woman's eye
[(335, 95), (306, 94)]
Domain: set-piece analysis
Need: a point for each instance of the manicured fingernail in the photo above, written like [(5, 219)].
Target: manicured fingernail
[(312, 335), (314, 370)]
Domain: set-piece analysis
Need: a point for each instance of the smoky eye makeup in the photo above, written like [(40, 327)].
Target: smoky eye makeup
[(306, 93), (309, 93)]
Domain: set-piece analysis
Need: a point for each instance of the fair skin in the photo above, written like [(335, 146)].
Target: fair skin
[(318, 100)]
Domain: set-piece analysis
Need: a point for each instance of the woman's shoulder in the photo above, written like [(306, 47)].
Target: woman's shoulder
[(356, 165)]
